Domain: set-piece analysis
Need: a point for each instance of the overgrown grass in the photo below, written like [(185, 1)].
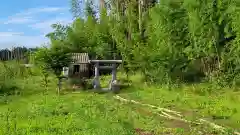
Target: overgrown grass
[(83, 113), (15, 78), (34, 111), (10, 73), (195, 101)]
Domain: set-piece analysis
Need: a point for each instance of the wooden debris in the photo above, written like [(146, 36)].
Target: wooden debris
[(165, 113)]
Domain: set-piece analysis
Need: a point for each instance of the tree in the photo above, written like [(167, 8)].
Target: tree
[(53, 59), (5, 55), (59, 32), (76, 8), (167, 41)]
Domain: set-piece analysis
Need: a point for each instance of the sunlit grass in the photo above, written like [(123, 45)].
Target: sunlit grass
[(34, 111), (220, 106)]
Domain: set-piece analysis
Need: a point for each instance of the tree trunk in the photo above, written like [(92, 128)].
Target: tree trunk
[(102, 4), (140, 5)]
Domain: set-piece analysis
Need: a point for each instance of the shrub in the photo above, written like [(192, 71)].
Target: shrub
[(10, 72)]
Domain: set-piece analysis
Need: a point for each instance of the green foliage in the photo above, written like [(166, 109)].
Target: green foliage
[(10, 73), (76, 8), (53, 58), (59, 32), (169, 42), (89, 113)]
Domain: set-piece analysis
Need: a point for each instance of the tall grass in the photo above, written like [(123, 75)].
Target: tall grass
[(9, 73), (16, 78)]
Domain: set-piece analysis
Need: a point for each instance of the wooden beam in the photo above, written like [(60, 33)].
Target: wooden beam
[(105, 61), (106, 67), (78, 63)]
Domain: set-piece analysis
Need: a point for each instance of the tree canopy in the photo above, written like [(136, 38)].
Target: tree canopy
[(167, 41)]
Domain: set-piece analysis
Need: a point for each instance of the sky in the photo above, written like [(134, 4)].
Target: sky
[(26, 22)]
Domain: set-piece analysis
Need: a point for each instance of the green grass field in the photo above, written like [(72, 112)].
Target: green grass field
[(88, 113)]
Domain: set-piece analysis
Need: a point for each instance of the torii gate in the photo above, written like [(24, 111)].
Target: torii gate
[(113, 83)]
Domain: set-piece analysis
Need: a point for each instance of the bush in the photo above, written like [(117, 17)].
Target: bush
[(10, 72)]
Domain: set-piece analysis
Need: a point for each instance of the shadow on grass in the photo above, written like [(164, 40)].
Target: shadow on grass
[(125, 86), (124, 89), (127, 89)]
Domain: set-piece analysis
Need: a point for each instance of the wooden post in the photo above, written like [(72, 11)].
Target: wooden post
[(114, 72), (96, 82), (114, 76)]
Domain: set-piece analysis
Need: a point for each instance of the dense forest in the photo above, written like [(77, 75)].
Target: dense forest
[(171, 41)]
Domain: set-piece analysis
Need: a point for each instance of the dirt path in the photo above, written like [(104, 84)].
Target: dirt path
[(177, 120)]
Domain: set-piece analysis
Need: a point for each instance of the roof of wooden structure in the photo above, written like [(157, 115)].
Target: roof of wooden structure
[(80, 58), (83, 58)]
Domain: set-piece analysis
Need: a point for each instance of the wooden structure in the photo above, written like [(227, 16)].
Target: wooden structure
[(80, 65), (113, 86)]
